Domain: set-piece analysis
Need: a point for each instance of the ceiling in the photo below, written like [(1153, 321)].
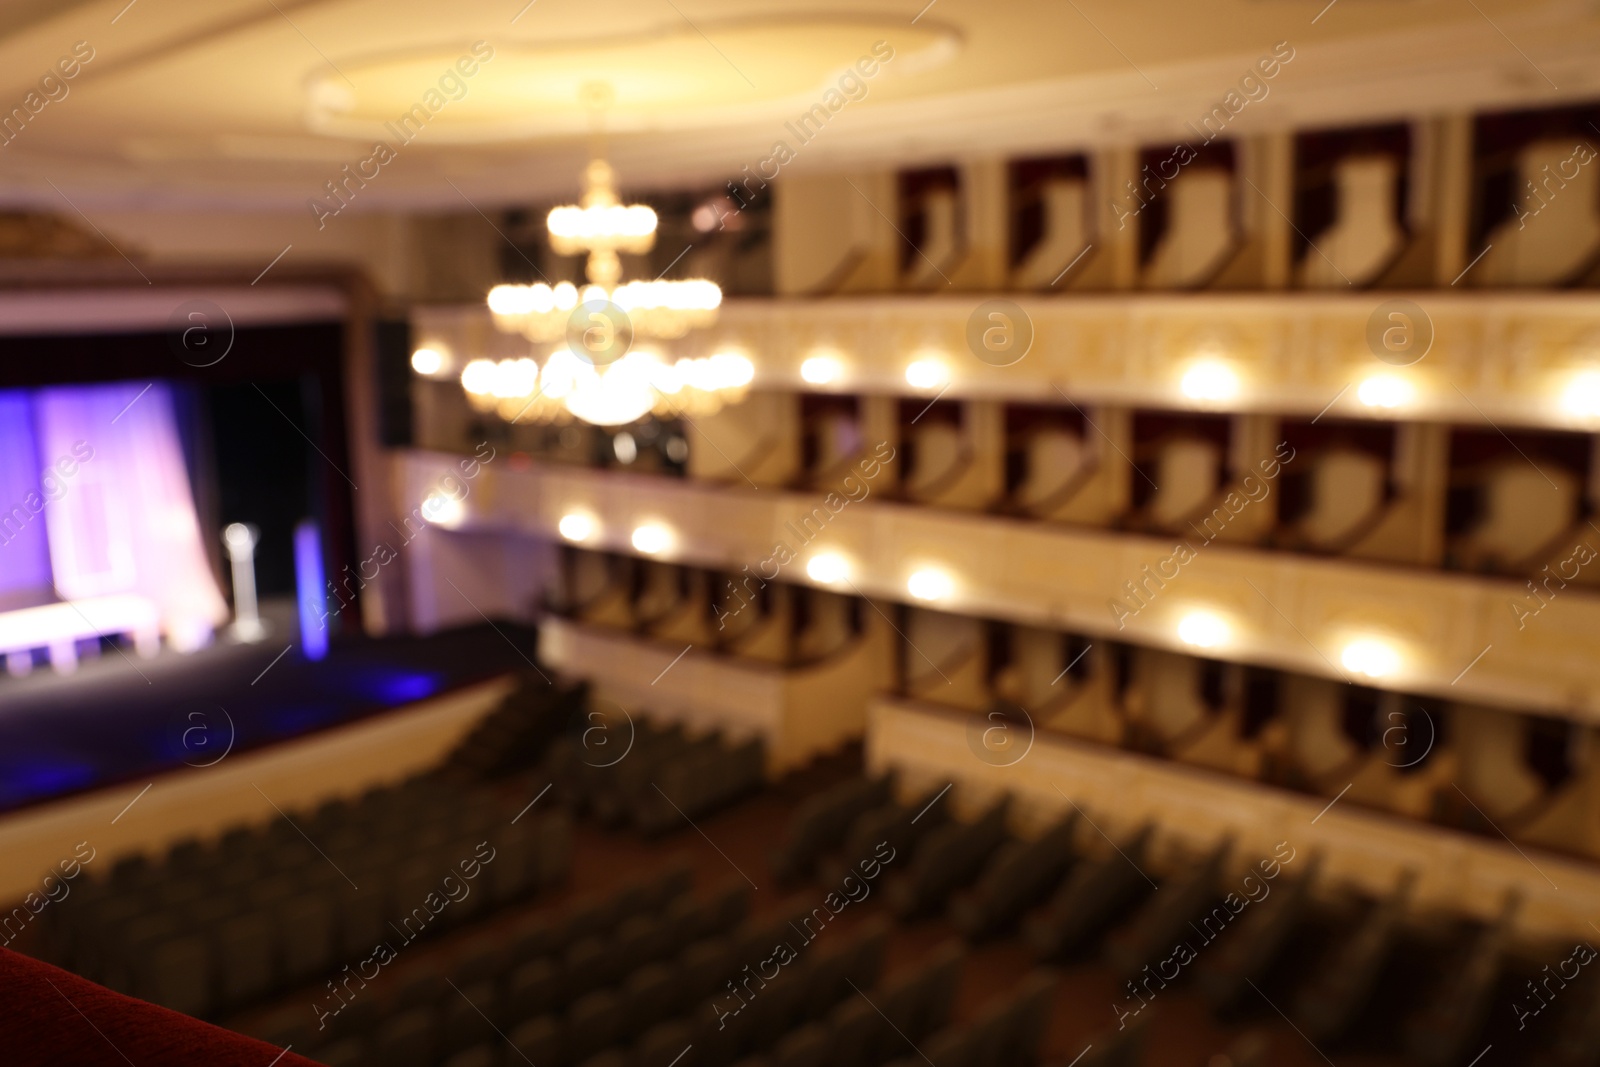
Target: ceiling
[(257, 104)]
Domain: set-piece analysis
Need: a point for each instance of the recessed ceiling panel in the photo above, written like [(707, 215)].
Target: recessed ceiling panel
[(696, 76)]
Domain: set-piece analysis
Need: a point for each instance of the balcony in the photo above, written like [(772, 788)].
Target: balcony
[(1452, 636)]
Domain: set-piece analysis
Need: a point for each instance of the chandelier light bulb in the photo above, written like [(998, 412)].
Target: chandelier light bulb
[(628, 389), (617, 224), (427, 361)]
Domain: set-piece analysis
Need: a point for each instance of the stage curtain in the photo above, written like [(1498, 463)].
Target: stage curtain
[(24, 551), (126, 520)]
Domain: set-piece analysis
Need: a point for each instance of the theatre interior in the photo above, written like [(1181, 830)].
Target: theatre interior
[(706, 533)]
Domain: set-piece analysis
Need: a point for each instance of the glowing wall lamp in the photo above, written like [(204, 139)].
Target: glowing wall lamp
[(828, 568), (652, 538), (576, 526), (820, 370), (1386, 391), (1582, 397), (1211, 380), (1370, 657), (927, 374), (930, 584), (1203, 629)]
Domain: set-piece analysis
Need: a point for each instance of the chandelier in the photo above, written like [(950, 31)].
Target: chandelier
[(597, 374)]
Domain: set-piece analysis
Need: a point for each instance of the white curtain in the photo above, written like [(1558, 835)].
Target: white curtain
[(126, 522)]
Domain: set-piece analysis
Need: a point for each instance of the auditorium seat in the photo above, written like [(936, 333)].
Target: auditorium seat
[(1224, 973), (648, 994), (1342, 982), (1450, 1017), (1122, 1047), (951, 855), (1018, 876), (662, 1043), (409, 1039), (541, 1040), (177, 973), (593, 1023), (820, 823), (484, 1055), (808, 1046), (1097, 890), (1169, 916), (1016, 1026), (899, 826), (463, 1023), (349, 1052)]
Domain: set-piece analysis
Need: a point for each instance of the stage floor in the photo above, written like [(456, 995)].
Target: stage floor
[(121, 717)]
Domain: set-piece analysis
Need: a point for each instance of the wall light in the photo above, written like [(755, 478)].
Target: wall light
[(1370, 657), (820, 370), (1386, 391), (1210, 379), (1203, 629), (929, 584), (652, 538), (442, 510), (427, 361), (576, 526), (1582, 397), (927, 374), (828, 568)]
